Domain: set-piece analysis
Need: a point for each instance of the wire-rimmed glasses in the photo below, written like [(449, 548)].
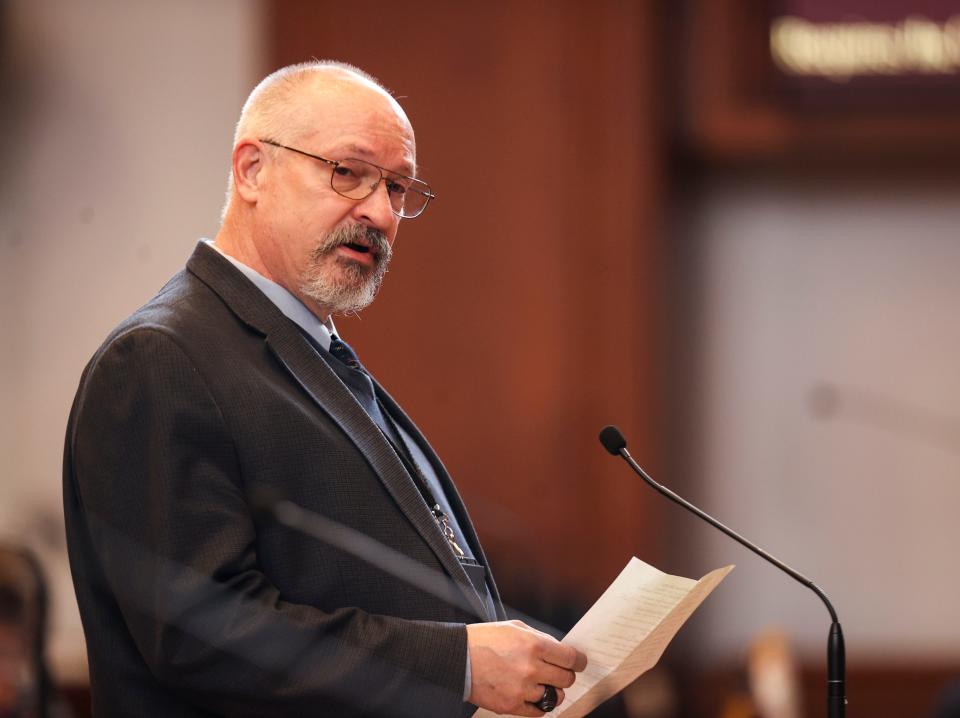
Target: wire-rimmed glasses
[(358, 179)]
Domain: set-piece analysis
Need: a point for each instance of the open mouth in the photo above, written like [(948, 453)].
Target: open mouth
[(362, 249)]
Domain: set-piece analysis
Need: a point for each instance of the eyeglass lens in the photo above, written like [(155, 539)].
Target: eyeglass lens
[(357, 179)]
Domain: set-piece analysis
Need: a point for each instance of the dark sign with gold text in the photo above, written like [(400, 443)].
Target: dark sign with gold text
[(900, 56)]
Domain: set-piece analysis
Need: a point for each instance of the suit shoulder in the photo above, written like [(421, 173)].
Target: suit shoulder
[(176, 313), (180, 304)]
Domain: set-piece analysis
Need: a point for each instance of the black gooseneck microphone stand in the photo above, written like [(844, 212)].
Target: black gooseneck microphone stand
[(613, 441)]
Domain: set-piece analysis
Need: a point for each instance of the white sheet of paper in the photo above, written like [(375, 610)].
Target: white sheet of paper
[(627, 630)]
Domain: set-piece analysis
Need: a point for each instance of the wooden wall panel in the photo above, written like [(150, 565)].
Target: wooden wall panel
[(520, 314)]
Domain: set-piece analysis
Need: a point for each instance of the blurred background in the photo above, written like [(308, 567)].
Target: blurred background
[(728, 227)]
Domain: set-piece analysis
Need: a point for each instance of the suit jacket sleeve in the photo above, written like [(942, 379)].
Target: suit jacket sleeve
[(157, 476)]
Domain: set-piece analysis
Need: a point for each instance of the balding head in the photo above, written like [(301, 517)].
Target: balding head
[(275, 107), (284, 218)]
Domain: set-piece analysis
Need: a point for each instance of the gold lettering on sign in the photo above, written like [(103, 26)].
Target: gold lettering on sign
[(839, 51)]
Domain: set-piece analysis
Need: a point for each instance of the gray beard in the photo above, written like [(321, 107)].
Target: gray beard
[(341, 284)]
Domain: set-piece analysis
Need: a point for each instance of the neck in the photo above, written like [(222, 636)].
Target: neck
[(236, 240)]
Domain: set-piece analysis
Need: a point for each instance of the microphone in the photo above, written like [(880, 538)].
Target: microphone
[(613, 441)]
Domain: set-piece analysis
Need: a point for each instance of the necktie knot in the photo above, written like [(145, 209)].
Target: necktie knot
[(342, 351)]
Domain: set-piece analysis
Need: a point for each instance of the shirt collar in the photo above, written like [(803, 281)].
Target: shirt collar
[(295, 310)]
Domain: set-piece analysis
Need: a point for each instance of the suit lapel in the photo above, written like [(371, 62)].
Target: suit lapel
[(324, 387), (449, 488), (330, 394)]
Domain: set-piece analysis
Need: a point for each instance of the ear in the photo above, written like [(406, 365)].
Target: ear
[(247, 163)]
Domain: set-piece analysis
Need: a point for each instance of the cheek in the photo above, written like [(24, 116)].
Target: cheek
[(306, 224)]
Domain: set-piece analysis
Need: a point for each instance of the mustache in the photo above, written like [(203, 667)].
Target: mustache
[(354, 234)]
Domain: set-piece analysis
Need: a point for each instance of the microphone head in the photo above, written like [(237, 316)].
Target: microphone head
[(612, 440)]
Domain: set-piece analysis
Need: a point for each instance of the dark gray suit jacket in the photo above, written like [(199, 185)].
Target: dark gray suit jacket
[(193, 605)]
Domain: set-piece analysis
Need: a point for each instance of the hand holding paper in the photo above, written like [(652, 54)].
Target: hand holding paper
[(627, 630)]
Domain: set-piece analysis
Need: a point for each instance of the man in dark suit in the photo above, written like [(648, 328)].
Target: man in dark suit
[(232, 380)]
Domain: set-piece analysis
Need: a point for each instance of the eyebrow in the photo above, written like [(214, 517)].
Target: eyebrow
[(408, 170), (359, 149)]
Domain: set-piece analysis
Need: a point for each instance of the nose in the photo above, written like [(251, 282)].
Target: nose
[(376, 209)]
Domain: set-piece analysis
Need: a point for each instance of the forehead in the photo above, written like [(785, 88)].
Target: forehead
[(354, 119)]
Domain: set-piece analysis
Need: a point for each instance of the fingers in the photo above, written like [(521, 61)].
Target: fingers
[(564, 656), (555, 652), (561, 663), (579, 661), (511, 663), (550, 674), (535, 694)]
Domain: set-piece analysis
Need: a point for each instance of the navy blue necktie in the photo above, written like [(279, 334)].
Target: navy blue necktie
[(365, 394), (361, 386)]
